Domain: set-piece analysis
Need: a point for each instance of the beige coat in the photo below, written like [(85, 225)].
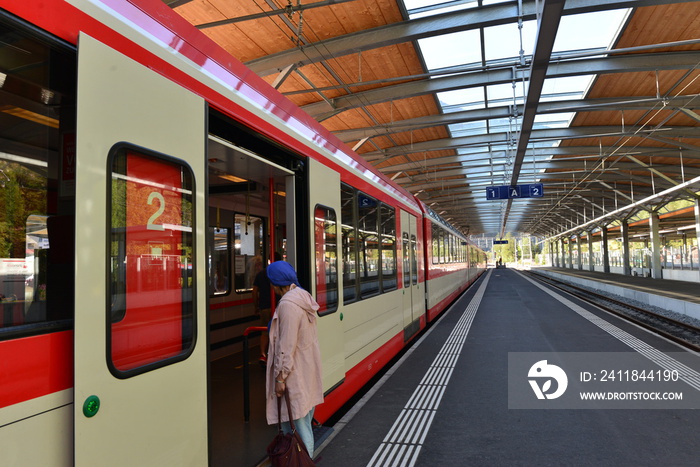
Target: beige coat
[(294, 351)]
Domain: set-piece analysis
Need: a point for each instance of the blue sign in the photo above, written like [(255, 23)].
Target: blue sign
[(496, 192), (365, 201), (500, 242), (536, 190), (530, 190)]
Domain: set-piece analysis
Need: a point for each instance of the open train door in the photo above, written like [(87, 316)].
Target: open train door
[(412, 298), (140, 328), (324, 198)]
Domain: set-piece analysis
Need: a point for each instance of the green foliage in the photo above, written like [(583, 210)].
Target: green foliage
[(23, 192)]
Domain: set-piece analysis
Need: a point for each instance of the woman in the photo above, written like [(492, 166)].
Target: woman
[(294, 357)]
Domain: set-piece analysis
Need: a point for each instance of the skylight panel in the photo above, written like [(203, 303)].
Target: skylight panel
[(504, 41), (415, 4), (423, 8), (502, 94), (481, 152), (498, 124), (558, 120), (571, 87), (448, 50), (503, 125), (462, 99), (474, 164), (467, 128), (589, 30)]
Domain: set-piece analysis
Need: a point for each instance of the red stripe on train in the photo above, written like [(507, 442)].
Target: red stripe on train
[(35, 366), (357, 377)]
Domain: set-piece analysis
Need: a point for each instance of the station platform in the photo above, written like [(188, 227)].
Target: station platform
[(448, 400), (677, 296)]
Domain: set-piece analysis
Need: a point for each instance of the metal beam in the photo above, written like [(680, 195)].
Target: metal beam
[(505, 75), (176, 3), (283, 75), (549, 134), (553, 169), (548, 24), (289, 10), (576, 105), (412, 30), (579, 153)]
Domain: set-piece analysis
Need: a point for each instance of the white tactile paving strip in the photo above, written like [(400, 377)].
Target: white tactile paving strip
[(403, 443)]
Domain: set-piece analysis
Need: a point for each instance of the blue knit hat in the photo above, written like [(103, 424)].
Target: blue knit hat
[(281, 273)]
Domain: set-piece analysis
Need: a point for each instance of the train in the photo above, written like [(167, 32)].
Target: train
[(145, 176)]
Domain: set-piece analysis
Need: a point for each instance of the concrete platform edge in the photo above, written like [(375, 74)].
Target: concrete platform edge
[(679, 306)]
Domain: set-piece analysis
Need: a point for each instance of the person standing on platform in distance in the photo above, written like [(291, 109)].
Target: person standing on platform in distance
[(294, 355), (262, 299)]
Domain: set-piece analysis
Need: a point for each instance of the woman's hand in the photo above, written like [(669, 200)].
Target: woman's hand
[(280, 386)]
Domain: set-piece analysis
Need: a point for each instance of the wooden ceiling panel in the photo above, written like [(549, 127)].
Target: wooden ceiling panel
[(245, 40), (404, 109), (644, 84), (357, 15), (348, 120), (350, 73), (424, 157), (663, 23), (648, 118), (248, 40), (359, 71)]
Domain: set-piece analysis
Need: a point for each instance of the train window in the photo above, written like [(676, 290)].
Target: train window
[(414, 259), (387, 216), (348, 201), (448, 247), (37, 182), (441, 243), (247, 250), (435, 234), (451, 248), (326, 255), (369, 244), (151, 276), (406, 258), (219, 261)]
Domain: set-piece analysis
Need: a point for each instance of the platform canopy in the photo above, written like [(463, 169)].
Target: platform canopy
[(597, 100)]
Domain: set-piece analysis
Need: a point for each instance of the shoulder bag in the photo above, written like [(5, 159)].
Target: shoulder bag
[(288, 450)]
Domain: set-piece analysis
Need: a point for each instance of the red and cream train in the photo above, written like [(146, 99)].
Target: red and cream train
[(145, 176)]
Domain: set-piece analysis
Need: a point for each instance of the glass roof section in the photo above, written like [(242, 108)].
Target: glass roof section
[(487, 161)]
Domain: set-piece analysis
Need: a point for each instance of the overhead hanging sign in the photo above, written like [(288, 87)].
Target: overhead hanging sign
[(528, 190)]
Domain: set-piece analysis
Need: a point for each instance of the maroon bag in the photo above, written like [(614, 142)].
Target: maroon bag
[(288, 450)]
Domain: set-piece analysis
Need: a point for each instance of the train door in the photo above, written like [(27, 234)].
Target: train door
[(140, 316), (324, 199), (412, 300), (251, 203)]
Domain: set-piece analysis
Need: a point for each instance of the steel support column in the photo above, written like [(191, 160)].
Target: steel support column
[(625, 248), (656, 271), (604, 248)]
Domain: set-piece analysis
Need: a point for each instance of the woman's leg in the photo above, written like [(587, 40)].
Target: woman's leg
[(305, 430)]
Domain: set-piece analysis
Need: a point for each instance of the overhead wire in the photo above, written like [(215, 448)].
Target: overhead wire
[(624, 140)]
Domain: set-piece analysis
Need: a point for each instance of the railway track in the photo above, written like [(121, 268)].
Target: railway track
[(677, 331)]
